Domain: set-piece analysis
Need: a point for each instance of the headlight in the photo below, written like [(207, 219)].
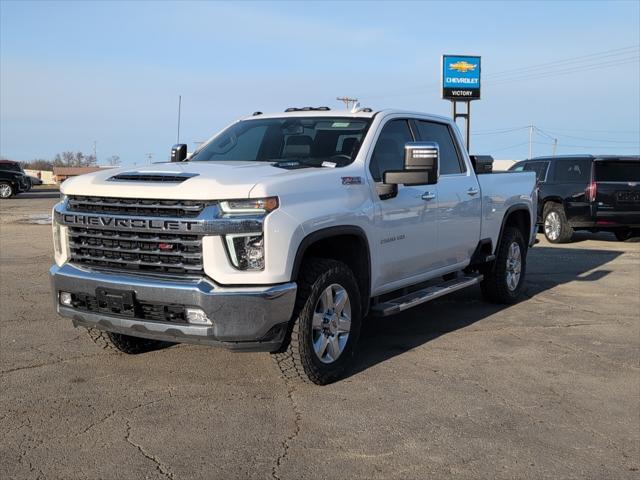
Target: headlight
[(63, 197), (60, 243), (250, 205), (246, 252)]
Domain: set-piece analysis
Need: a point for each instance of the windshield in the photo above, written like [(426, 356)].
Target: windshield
[(308, 141)]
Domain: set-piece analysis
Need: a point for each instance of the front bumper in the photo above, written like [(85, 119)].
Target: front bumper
[(244, 318)]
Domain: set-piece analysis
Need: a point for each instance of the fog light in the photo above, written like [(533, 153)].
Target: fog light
[(65, 299), (197, 316)]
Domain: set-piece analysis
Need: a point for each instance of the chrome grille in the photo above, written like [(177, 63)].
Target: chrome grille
[(160, 253), (144, 250), (136, 206)]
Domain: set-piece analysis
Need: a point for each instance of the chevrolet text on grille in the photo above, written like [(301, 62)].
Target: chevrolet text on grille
[(214, 226)]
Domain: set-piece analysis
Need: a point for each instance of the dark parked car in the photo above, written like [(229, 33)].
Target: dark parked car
[(585, 192), (12, 179)]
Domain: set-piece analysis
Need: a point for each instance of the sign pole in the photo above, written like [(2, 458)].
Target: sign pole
[(467, 120)]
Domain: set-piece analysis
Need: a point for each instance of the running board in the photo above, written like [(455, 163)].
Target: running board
[(411, 300)]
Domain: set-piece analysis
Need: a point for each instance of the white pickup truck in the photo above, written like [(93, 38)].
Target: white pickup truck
[(283, 232)]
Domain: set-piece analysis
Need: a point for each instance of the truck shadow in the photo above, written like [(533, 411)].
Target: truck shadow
[(547, 267)]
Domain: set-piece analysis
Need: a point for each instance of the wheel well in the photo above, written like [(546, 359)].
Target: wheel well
[(521, 220), (349, 248)]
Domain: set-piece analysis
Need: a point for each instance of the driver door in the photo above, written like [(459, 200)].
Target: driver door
[(405, 223)]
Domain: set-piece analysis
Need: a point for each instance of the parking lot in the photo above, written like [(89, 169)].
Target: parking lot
[(547, 388)]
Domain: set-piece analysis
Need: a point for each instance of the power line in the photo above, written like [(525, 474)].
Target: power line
[(587, 146), (570, 60), (637, 142), (637, 132), (552, 73), (499, 132)]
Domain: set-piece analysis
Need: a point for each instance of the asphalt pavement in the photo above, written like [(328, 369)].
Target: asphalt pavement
[(457, 388)]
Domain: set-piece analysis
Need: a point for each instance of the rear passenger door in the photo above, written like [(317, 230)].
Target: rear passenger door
[(571, 177), (459, 200)]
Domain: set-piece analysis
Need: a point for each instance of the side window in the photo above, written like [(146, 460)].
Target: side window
[(450, 161), (573, 170), (388, 153), (517, 168), (540, 168)]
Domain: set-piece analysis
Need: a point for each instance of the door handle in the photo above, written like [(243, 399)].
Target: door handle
[(428, 196), (473, 191)]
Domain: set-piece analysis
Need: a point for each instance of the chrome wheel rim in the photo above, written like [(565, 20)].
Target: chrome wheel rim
[(5, 191), (514, 266), (331, 323), (552, 226)]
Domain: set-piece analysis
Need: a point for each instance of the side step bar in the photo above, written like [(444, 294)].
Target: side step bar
[(400, 304)]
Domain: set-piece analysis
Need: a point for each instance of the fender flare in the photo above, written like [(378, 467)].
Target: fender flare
[(507, 213), (329, 232)]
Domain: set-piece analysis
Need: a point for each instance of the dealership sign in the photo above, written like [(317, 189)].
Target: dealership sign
[(460, 77)]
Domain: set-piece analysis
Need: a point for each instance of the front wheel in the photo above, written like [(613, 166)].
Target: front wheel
[(6, 190), (504, 277), (124, 343), (326, 323)]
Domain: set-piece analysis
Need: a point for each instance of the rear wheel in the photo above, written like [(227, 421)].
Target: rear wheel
[(6, 190), (555, 223), (627, 233), (326, 323), (124, 343), (504, 277)]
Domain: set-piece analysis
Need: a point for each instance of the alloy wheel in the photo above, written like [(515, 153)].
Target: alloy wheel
[(331, 323), (552, 226), (514, 266)]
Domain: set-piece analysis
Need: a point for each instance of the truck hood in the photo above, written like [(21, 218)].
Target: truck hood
[(204, 181)]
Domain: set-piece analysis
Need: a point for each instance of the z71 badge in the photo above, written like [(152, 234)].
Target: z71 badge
[(352, 180)]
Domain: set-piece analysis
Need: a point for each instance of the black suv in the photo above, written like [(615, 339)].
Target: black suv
[(12, 179), (585, 192)]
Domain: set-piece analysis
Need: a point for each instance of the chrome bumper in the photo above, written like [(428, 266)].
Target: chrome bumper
[(244, 318)]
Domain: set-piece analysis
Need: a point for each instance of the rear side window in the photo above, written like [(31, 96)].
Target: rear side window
[(540, 168), (450, 161), (572, 170), (616, 171)]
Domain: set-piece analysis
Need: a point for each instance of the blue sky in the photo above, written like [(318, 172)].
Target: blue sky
[(72, 73)]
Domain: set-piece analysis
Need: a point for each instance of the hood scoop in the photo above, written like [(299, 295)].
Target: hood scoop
[(160, 177)]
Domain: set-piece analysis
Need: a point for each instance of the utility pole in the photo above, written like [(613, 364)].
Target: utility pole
[(530, 141), (95, 151), (555, 146), (149, 157), (347, 101), (179, 106)]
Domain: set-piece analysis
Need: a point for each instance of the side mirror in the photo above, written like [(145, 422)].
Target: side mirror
[(179, 152), (421, 165)]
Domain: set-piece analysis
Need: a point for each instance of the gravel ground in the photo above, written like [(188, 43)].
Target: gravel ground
[(547, 388)]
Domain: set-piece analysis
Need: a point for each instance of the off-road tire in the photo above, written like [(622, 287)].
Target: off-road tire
[(566, 231), (124, 343), (297, 360), (626, 234), (12, 192), (494, 285)]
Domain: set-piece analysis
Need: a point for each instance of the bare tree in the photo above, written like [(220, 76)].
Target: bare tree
[(74, 159), (39, 164), (113, 160)]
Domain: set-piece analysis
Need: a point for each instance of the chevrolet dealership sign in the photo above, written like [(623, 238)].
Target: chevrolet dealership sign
[(460, 77)]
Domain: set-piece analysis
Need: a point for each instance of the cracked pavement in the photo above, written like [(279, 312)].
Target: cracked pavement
[(547, 388)]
